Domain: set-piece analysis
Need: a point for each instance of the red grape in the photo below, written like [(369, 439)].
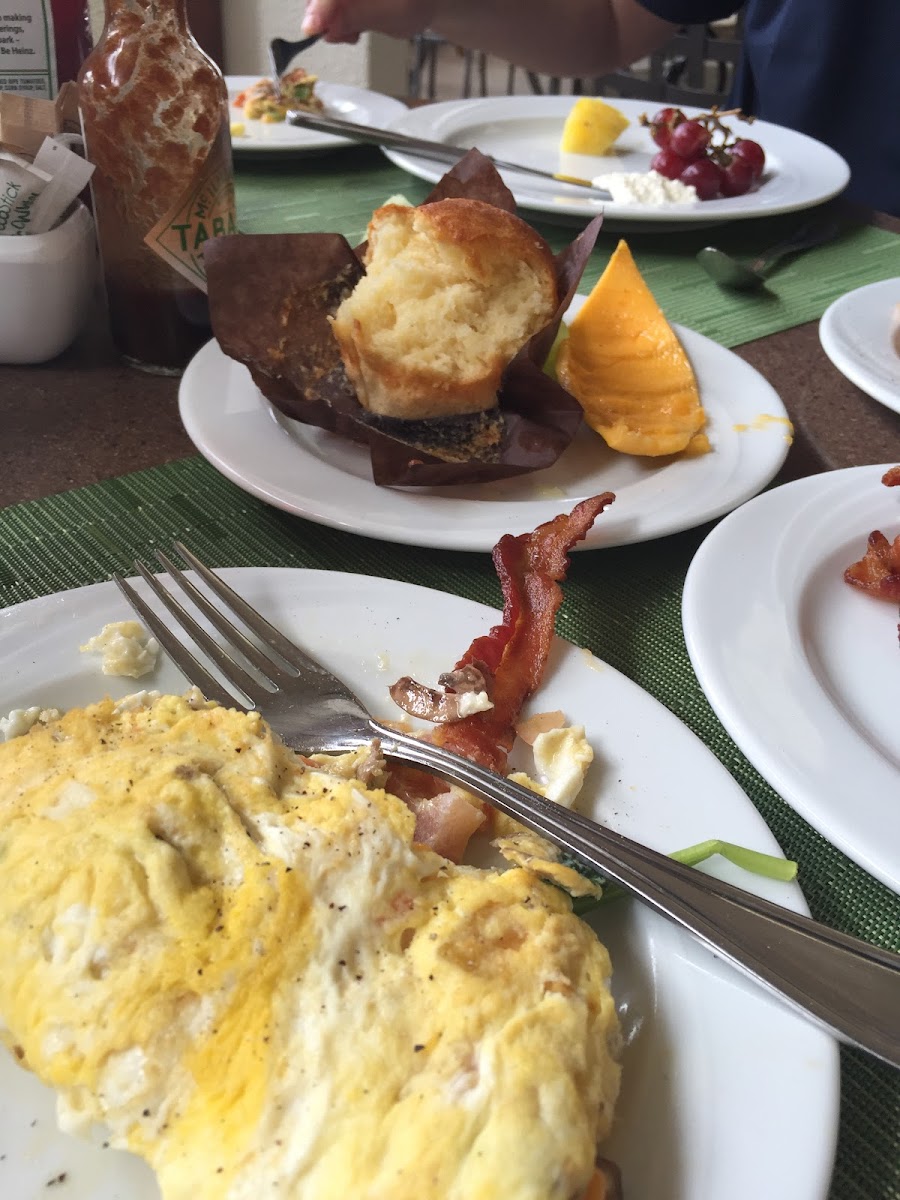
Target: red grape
[(663, 123), (689, 139), (752, 153), (703, 175), (668, 163), (737, 177)]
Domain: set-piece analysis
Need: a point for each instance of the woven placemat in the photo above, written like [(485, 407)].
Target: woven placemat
[(623, 604), (337, 193)]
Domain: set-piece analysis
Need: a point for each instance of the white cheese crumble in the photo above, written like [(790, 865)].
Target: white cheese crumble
[(20, 720), (645, 187), (474, 702), (126, 647), (136, 700), (144, 699), (72, 796)]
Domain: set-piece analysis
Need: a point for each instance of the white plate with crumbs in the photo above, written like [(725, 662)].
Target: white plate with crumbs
[(261, 138), (800, 171), (697, 1029), (802, 669), (327, 479), (856, 333)]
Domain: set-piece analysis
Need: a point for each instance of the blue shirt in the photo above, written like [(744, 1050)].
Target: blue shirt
[(825, 67)]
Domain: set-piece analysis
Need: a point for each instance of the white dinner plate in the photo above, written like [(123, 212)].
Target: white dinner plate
[(340, 100), (855, 332), (329, 480), (714, 1065), (802, 669), (800, 171)]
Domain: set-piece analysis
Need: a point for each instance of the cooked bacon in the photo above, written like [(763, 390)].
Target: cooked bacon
[(446, 822), (511, 660), (410, 784), (878, 571), (515, 652)]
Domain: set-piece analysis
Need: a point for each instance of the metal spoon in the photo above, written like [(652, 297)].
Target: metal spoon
[(729, 273), (283, 53)]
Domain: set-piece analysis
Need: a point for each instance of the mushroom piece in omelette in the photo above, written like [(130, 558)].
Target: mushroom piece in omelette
[(248, 970)]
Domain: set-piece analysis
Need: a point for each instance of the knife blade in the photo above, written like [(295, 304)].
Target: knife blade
[(439, 151)]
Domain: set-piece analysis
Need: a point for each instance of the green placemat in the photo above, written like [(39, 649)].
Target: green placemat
[(624, 604), (337, 193)]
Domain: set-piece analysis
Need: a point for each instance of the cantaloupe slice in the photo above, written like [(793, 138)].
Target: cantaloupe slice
[(628, 370), (591, 127)]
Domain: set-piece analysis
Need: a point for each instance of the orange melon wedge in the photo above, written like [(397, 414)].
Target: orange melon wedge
[(624, 365)]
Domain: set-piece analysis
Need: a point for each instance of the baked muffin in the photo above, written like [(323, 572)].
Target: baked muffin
[(452, 291)]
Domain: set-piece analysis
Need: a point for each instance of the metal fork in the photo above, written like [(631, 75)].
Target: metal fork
[(849, 986), (282, 53)]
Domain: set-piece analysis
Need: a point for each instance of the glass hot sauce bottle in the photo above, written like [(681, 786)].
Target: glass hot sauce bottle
[(154, 111)]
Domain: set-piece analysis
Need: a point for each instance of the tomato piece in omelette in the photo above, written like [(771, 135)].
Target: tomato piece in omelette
[(245, 968)]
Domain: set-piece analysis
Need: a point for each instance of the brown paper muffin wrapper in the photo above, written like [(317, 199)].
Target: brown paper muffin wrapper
[(270, 297)]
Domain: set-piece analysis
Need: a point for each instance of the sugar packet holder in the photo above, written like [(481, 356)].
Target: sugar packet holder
[(35, 195)]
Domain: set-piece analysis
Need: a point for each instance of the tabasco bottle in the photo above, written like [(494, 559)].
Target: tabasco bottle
[(154, 109)]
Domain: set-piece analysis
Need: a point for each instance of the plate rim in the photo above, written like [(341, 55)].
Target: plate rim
[(416, 533), (842, 360), (707, 213), (779, 770), (824, 1084)]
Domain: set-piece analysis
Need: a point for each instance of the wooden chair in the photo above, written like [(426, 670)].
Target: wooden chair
[(695, 67)]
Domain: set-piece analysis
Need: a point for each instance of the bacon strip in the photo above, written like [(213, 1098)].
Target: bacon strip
[(530, 568), (446, 822), (878, 571), (512, 659)]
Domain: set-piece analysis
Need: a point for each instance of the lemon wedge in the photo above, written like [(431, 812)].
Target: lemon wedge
[(591, 127)]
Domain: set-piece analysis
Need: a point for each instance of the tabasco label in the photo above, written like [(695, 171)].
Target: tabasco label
[(206, 210)]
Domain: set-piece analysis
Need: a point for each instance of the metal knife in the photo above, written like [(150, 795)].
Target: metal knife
[(439, 151)]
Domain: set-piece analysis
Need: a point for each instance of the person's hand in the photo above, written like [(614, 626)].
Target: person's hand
[(344, 20)]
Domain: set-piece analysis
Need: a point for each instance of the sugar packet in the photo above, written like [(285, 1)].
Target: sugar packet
[(34, 195), (69, 174), (20, 187)]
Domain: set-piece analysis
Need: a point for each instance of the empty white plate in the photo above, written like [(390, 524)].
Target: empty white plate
[(855, 333), (802, 669)]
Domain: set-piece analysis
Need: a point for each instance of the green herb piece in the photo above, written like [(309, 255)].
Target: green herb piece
[(769, 866)]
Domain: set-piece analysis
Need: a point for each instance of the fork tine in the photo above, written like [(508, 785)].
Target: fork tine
[(267, 633), (180, 655), (228, 630), (232, 671)]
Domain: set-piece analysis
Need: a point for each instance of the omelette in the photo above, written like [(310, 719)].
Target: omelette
[(241, 964)]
